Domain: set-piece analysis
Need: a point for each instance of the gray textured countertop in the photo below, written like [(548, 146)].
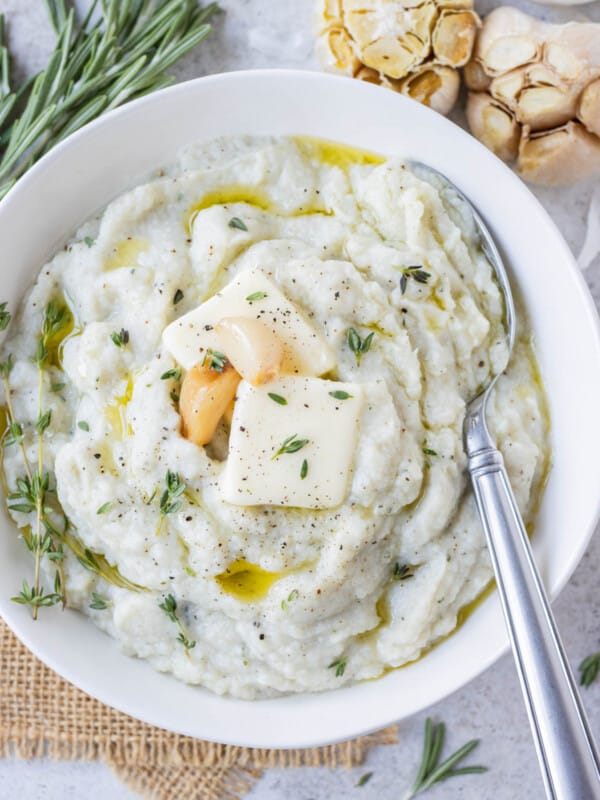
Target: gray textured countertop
[(278, 33)]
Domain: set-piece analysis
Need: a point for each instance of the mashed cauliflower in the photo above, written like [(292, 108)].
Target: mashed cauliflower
[(257, 601)]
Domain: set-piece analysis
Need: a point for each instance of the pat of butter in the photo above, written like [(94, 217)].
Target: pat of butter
[(314, 475), (250, 294)]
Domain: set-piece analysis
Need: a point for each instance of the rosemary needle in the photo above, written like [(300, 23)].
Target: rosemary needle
[(119, 51)]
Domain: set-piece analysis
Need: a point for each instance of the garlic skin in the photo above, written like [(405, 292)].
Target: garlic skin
[(414, 47), (534, 95)]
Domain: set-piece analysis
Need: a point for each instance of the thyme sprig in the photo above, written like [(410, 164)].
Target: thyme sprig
[(109, 57), (430, 770), (589, 669), (290, 445), (170, 500), (169, 606), (216, 361), (358, 345), (33, 492)]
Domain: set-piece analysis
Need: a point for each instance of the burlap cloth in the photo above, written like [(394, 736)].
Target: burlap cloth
[(42, 715)]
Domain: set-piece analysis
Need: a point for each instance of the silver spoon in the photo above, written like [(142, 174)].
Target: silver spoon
[(565, 747)]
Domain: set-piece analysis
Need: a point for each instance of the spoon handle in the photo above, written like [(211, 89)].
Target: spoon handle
[(565, 747)]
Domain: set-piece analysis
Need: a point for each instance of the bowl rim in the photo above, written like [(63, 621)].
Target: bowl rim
[(272, 738)]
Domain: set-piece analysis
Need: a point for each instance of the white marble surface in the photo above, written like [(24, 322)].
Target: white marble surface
[(277, 33)]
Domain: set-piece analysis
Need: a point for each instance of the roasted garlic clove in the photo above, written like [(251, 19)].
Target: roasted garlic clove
[(336, 52), (252, 347), (454, 36), (205, 397), (405, 45), (544, 107), (476, 78), (559, 157), (543, 92), (435, 86), (493, 125), (589, 107)]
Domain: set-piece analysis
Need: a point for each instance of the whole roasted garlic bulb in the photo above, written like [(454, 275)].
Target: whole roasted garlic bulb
[(412, 46), (534, 95)]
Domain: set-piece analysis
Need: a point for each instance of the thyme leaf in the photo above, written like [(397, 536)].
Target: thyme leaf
[(5, 316), (277, 398), (236, 222), (304, 470), (430, 770), (104, 508), (174, 374), (83, 425), (340, 395), (100, 603), (252, 298)]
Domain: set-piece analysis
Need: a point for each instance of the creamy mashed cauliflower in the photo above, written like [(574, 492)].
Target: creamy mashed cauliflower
[(256, 601)]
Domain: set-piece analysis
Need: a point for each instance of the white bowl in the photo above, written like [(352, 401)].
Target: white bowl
[(91, 167)]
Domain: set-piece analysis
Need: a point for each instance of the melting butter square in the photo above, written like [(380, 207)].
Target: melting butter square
[(305, 350), (255, 475)]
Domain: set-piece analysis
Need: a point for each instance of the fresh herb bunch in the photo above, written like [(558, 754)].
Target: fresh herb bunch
[(118, 52), (430, 770)]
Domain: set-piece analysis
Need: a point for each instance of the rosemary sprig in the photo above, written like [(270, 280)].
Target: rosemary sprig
[(170, 501), (430, 770), (290, 445), (589, 669), (108, 58), (359, 346), (169, 606)]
